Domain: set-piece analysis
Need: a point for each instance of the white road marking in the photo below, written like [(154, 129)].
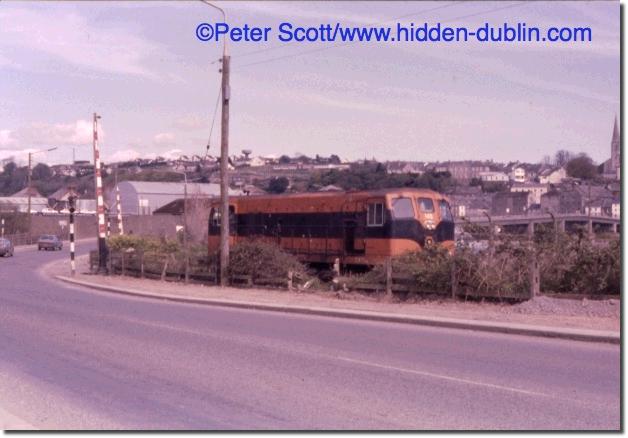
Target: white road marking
[(443, 377)]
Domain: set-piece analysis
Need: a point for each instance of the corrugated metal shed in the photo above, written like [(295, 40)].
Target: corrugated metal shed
[(140, 197)]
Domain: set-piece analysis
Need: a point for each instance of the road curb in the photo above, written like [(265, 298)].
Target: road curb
[(494, 327)]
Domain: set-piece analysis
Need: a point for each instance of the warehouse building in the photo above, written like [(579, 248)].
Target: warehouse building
[(143, 198)]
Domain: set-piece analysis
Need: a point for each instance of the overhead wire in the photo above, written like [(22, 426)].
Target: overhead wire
[(320, 49), (211, 129), (268, 49)]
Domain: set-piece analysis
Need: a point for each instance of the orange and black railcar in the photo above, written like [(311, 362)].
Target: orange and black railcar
[(359, 228)]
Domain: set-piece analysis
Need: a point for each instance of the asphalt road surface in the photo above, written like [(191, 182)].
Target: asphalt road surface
[(71, 358)]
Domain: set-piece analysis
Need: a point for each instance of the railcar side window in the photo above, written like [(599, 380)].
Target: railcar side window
[(215, 215), (445, 212), (426, 205), (402, 208), (375, 217)]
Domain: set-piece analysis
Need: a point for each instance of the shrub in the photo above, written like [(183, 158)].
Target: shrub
[(144, 244), (573, 264), (430, 269), (262, 260), (502, 272)]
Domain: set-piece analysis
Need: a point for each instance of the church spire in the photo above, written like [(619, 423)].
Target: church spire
[(615, 131)]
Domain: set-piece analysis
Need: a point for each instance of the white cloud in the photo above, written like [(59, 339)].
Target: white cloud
[(172, 154), (49, 134), (164, 139), (125, 155)]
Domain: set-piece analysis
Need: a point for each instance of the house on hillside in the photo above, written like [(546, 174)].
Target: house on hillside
[(469, 201), (492, 176), (510, 203), (402, 167), (561, 202), (535, 190), (63, 170), (462, 170), (518, 174), (552, 175)]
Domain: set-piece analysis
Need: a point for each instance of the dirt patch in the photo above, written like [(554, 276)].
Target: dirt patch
[(542, 311)]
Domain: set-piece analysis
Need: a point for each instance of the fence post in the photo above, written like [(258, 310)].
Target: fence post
[(187, 263), (534, 273), (163, 271), (122, 262), (290, 274), (454, 280), (336, 267), (141, 264), (530, 230), (388, 277)]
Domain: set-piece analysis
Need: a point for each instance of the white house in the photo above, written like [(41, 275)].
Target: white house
[(494, 177), (518, 174), (535, 191), (552, 175)]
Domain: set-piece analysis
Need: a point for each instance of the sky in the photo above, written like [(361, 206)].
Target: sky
[(140, 66)]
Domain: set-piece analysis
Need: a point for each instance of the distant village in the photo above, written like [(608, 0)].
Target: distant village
[(563, 184)]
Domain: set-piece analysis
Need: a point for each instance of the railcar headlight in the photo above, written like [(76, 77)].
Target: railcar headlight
[(429, 224)]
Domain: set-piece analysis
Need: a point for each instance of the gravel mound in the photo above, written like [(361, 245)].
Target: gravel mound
[(562, 306)]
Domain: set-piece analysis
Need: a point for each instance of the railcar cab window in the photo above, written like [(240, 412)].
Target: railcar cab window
[(445, 211), (215, 216), (402, 208), (426, 205), (375, 216)]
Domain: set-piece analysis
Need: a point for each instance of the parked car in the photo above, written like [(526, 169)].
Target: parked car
[(6, 247), (49, 242)]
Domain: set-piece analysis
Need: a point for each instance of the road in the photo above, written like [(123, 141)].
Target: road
[(71, 358)]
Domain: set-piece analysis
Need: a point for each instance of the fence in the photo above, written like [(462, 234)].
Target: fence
[(506, 267), (406, 285), (168, 267)]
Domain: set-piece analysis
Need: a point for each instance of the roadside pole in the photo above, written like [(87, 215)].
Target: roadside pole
[(185, 229), (2, 227), (71, 200), (224, 177), (100, 204), (118, 206), (30, 173)]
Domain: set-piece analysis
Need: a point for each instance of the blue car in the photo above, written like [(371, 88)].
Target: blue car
[(49, 242)]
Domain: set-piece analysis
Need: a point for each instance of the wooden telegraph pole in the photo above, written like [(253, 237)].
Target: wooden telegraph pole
[(224, 177)]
